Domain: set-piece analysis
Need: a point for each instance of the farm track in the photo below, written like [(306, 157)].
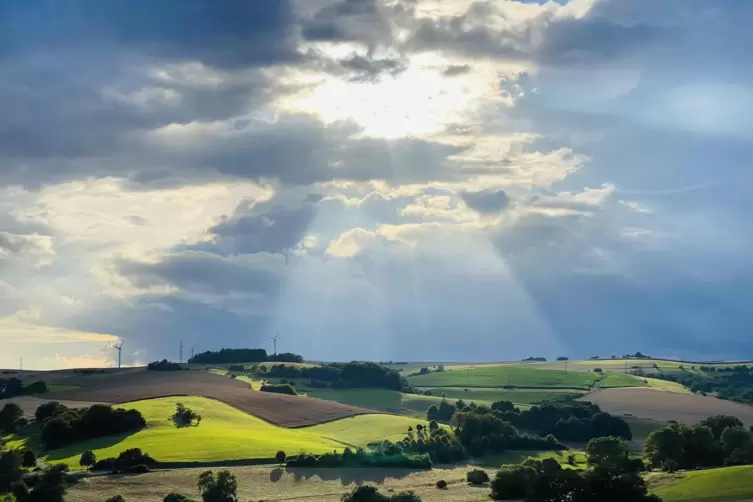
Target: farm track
[(278, 409)]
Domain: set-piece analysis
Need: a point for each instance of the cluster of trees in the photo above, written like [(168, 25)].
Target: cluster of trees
[(734, 383), (567, 421), (387, 454), (368, 493), (62, 425), (538, 359), (129, 461), (164, 365), (47, 486), (485, 433), (611, 476), (12, 418), (720, 440), (279, 388), (233, 356), (345, 375), (185, 416), (12, 387)]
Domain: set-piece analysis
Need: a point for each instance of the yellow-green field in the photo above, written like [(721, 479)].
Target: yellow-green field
[(255, 384), (612, 379), (364, 429), (520, 397), (225, 433), (506, 375), (730, 484)]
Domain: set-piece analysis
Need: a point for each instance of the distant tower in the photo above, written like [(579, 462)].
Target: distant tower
[(181, 352), (21, 367), (119, 348), (191, 353), (274, 341)]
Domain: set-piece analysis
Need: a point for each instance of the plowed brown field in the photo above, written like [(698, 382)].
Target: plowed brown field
[(279, 409), (664, 406)]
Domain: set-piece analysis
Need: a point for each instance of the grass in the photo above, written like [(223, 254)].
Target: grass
[(523, 397), (225, 433), (364, 429), (620, 380), (61, 388), (255, 384), (667, 386), (502, 375), (717, 485), (518, 456), (390, 401)]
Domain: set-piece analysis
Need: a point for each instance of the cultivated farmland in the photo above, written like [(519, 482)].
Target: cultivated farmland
[(664, 406), (287, 411)]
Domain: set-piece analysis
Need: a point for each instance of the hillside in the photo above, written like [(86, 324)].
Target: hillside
[(505, 375), (729, 484)]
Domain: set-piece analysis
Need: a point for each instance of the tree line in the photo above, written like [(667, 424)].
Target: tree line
[(567, 421), (232, 356), (13, 387)]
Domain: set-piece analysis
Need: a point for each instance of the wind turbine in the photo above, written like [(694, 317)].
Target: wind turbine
[(119, 348), (274, 340)]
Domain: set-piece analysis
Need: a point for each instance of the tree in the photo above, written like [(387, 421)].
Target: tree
[(10, 414), (29, 459), (664, 445), (608, 452), (513, 482), (51, 486), (364, 493), (718, 423), (10, 469), (441, 484), (88, 459), (47, 410), (220, 488), (280, 456), (734, 438)]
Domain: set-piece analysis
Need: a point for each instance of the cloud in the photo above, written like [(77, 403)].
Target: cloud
[(491, 201), (35, 248)]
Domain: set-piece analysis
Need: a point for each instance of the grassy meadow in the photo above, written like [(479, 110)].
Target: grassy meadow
[(520, 397), (506, 375), (364, 429), (225, 433), (713, 485), (620, 380)]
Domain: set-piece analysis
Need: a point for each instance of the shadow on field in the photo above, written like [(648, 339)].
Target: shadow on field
[(80, 447), (347, 476)]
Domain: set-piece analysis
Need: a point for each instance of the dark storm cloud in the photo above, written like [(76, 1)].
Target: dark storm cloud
[(350, 20), (229, 33), (565, 40), (487, 201), (205, 273), (367, 68)]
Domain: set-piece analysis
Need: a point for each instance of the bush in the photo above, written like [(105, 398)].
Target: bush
[(220, 488), (164, 365), (116, 498), (477, 477), (598, 370), (29, 459), (513, 482), (279, 389), (88, 459), (175, 497), (47, 410), (280, 456), (10, 414), (441, 484), (184, 416)]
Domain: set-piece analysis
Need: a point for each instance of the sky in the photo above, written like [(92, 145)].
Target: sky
[(437, 180)]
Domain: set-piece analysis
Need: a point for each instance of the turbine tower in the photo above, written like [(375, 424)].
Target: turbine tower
[(119, 348), (274, 340)]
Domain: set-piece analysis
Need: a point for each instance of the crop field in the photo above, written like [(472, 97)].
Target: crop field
[(506, 375), (225, 433), (287, 411), (730, 484), (620, 380), (268, 483), (365, 429), (523, 397), (664, 406)]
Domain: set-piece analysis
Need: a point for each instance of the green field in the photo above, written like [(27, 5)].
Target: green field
[(364, 429), (390, 401), (718, 485), (504, 375), (666, 385), (225, 433), (620, 380), (522, 397)]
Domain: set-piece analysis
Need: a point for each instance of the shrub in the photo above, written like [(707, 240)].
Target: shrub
[(279, 389), (9, 417), (164, 365), (116, 498), (184, 416), (513, 482), (47, 410), (598, 370), (441, 484), (10, 469), (477, 477), (220, 488), (280, 456), (175, 497), (29, 459)]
